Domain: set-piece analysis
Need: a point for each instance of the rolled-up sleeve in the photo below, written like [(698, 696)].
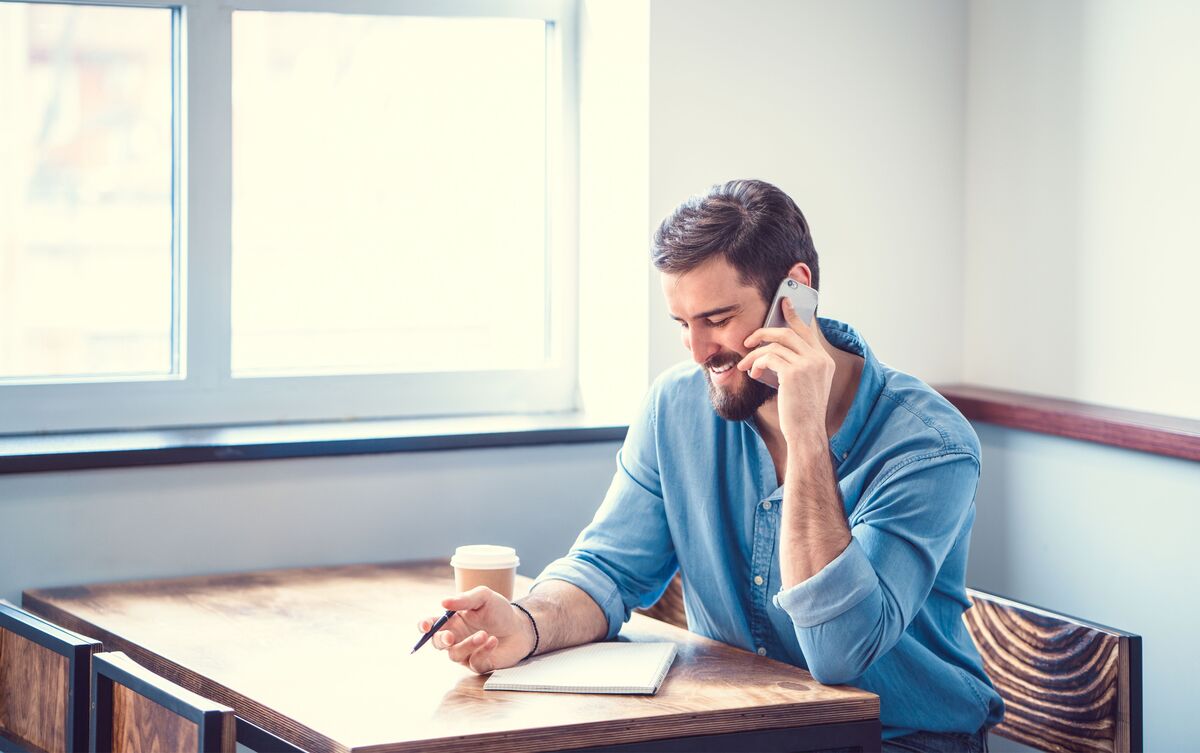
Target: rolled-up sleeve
[(624, 558), (856, 608)]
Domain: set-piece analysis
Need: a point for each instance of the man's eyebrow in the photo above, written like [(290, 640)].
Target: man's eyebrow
[(711, 312)]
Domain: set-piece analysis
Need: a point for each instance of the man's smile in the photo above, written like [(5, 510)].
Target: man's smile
[(721, 371)]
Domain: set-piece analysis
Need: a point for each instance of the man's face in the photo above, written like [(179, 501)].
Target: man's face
[(716, 313)]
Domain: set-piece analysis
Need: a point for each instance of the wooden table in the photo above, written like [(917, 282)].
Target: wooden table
[(318, 658)]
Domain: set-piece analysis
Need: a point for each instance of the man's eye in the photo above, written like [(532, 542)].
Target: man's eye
[(683, 324), (720, 323)]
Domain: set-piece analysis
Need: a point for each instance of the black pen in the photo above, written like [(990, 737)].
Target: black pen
[(436, 627)]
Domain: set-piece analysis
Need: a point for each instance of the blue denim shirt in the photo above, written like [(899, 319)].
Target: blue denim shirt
[(697, 493)]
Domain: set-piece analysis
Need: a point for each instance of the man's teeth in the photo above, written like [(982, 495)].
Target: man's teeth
[(719, 369)]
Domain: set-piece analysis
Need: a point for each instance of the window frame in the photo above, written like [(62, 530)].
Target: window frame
[(203, 390)]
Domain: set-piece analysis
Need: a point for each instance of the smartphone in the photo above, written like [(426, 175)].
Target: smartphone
[(804, 301)]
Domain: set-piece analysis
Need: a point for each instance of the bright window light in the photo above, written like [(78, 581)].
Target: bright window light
[(286, 211), (389, 194), (85, 191)]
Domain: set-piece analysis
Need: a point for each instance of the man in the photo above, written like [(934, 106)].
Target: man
[(825, 524)]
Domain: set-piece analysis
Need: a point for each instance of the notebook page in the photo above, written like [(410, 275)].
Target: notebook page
[(620, 667)]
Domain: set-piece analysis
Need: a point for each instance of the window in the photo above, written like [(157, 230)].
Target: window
[(85, 192), (285, 210), (389, 202)]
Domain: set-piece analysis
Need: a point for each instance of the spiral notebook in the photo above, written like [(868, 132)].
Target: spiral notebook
[(615, 667)]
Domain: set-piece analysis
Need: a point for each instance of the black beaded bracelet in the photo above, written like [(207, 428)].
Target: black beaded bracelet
[(536, 638)]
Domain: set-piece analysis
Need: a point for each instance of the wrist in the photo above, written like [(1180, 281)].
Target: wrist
[(530, 631), (806, 445)]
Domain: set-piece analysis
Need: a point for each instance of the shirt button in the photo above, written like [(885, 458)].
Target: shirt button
[(766, 504), (762, 651), (758, 581), (845, 455)]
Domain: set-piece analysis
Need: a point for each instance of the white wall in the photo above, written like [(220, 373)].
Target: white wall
[(614, 101), (1082, 193), (856, 110)]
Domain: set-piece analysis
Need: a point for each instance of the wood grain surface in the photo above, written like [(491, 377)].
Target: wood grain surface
[(319, 657), (137, 710), (140, 725), (1060, 678), (34, 688), (1173, 436)]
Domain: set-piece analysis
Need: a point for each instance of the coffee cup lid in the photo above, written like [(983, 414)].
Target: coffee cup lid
[(485, 557)]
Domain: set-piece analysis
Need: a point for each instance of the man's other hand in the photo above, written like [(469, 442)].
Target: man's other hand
[(485, 634)]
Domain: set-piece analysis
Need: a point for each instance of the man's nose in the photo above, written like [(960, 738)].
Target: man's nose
[(702, 347)]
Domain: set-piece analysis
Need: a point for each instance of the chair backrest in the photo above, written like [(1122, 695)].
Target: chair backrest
[(45, 687), (669, 607), (136, 711), (1068, 685)]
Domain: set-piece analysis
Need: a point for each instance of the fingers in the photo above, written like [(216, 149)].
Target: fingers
[(427, 623), (782, 352), (793, 319), (795, 333), (782, 335), (462, 650), (475, 651), (483, 661), (760, 362), (444, 639), (447, 635)]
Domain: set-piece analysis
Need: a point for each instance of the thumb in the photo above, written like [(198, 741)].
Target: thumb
[(464, 602)]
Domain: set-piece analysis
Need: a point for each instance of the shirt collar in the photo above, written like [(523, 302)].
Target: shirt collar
[(844, 337)]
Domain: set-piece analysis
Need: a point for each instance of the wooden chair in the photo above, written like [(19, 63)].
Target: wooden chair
[(1068, 685), (136, 711), (45, 687)]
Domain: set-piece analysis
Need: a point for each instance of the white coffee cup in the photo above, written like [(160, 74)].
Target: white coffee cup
[(485, 565)]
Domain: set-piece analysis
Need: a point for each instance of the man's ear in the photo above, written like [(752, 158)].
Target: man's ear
[(801, 272)]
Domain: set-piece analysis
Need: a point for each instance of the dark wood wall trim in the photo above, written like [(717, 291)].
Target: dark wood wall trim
[(1131, 430), (122, 449)]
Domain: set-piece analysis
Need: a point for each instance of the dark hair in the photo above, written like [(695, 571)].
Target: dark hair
[(757, 228)]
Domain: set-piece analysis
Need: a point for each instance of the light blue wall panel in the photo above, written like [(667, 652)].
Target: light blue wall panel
[(1103, 534)]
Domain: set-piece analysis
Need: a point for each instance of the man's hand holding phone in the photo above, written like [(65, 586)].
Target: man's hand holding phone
[(804, 371)]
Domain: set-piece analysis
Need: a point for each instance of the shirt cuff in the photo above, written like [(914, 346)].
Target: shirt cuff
[(836, 589), (592, 581)]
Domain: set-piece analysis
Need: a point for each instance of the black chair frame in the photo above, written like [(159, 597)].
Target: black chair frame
[(78, 651)]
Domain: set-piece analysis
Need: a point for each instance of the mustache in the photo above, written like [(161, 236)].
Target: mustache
[(722, 359)]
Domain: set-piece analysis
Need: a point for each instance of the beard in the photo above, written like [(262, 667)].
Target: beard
[(742, 397)]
